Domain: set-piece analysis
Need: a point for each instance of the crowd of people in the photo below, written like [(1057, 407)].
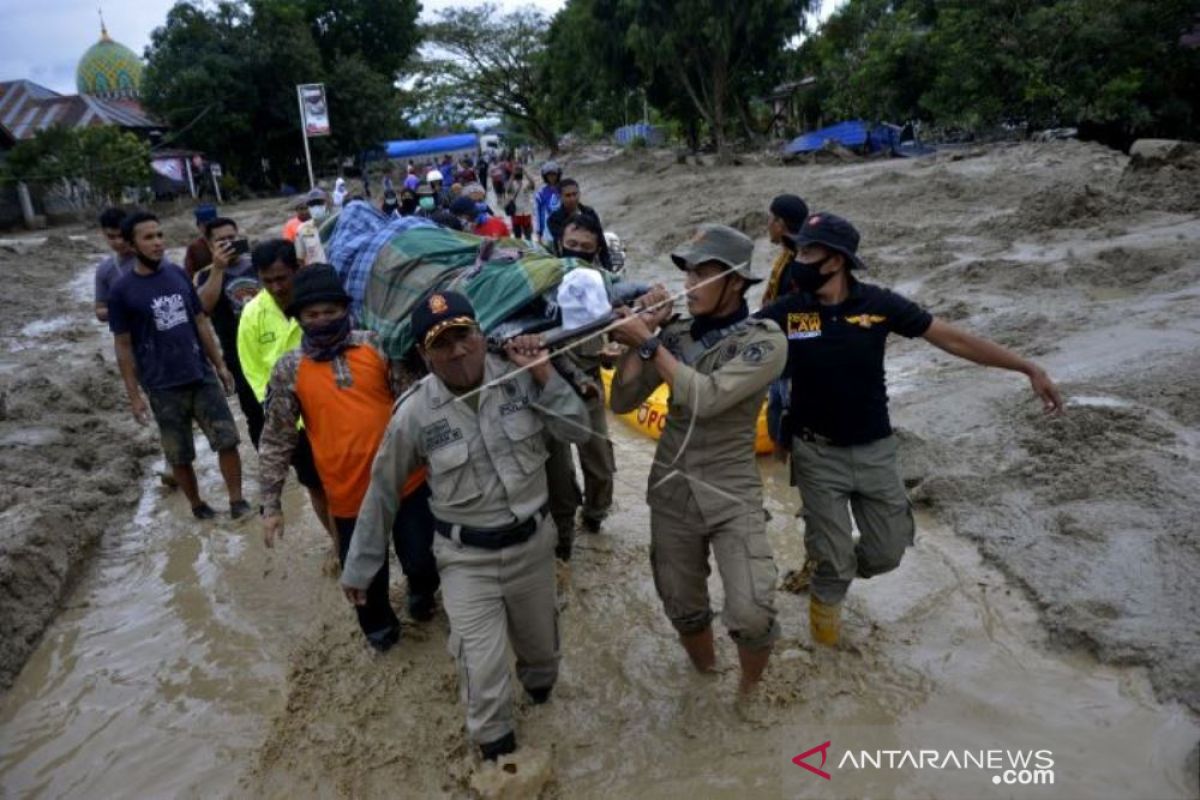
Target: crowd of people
[(468, 470)]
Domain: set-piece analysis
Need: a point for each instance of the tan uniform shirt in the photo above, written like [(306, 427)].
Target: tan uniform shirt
[(707, 447), (486, 468)]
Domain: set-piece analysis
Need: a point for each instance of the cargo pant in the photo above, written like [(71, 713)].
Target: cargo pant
[(833, 482), (598, 464), (680, 541), (495, 598)]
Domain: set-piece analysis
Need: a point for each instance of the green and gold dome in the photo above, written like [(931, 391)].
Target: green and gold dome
[(109, 69)]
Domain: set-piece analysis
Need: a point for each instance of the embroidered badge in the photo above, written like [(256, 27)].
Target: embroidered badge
[(439, 434), (437, 304)]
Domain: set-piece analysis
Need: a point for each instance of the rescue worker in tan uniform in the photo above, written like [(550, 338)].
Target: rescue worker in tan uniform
[(705, 492), (581, 239), (477, 422)]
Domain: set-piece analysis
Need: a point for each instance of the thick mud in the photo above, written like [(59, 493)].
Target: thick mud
[(1050, 601)]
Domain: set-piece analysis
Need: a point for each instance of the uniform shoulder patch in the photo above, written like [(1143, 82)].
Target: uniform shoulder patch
[(755, 352)]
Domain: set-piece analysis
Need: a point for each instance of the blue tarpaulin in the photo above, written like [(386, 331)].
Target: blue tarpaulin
[(652, 135), (410, 148), (854, 134)]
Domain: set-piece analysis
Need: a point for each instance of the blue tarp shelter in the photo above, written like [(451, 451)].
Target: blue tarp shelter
[(652, 135), (853, 134), (411, 148)]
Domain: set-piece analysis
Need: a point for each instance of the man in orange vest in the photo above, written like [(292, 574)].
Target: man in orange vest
[(342, 385)]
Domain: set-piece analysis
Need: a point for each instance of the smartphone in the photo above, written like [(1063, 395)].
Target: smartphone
[(241, 246)]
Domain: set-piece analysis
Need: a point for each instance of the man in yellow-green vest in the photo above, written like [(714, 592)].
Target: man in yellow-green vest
[(265, 333)]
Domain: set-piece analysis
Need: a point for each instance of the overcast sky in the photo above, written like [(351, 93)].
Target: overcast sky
[(42, 40)]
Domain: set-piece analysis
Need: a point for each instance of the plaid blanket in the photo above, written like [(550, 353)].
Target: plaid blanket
[(389, 265), (354, 239)]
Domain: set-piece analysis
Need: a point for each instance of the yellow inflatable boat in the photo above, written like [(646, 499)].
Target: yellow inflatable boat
[(650, 417)]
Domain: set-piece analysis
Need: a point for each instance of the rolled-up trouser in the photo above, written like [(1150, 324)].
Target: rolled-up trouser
[(679, 545), (833, 482), (599, 466), (494, 598)]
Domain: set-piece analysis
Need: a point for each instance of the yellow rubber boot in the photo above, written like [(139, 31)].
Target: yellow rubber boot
[(824, 622)]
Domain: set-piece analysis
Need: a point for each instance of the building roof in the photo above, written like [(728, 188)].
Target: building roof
[(27, 107), (109, 69)]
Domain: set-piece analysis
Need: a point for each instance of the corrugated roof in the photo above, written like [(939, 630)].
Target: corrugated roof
[(27, 107)]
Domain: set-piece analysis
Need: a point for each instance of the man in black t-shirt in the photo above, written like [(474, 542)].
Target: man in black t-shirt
[(224, 288), (843, 450)]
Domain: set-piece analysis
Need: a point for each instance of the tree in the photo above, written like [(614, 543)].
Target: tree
[(716, 51), (494, 64), (225, 78), (363, 104), (89, 167), (382, 33), (196, 80), (1114, 68)]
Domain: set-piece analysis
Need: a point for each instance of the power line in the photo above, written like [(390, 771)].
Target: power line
[(114, 166)]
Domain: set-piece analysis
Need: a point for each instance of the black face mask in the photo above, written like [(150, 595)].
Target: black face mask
[(808, 277), (579, 254), (408, 205)]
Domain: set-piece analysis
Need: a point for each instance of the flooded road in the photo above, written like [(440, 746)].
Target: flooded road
[(156, 679), (191, 662)]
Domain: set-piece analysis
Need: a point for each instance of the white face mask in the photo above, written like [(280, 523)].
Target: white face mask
[(318, 211)]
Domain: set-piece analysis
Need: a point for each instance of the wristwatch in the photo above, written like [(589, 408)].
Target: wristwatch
[(648, 348)]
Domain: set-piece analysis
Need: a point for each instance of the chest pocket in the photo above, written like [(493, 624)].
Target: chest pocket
[(524, 431), (451, 477)]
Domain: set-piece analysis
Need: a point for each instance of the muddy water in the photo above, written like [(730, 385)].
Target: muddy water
[(161, 676), (156, 679), (940, 653), (156, 676)]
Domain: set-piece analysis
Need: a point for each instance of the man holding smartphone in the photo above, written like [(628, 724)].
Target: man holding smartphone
[(225, 287)]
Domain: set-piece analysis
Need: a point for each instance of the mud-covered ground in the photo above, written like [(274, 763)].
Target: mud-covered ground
[(1067, 253), (71, 455), (1046, 545)]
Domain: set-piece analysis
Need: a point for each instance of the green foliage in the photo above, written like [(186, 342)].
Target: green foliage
[(1115, 65), (484, 63), (225, 77), (698, 62), (97, 163)]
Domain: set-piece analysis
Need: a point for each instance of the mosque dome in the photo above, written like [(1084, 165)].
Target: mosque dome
[(109, 69)]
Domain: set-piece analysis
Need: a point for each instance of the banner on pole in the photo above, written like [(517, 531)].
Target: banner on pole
[(314, 108)]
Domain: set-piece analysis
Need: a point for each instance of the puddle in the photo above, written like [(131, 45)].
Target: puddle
[(167, 668), (46, 327), (1098, 401), (31, 437), (156, 679)]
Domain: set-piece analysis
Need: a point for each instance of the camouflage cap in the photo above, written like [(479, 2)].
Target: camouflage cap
[(720, 243)]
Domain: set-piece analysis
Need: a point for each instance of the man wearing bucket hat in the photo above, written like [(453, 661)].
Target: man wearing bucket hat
[(705, 492), (476, 422), (843, 450), (341, 384)]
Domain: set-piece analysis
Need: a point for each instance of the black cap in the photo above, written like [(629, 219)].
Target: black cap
[(439, 311), (829, 230), (791, 209), (317, 283)]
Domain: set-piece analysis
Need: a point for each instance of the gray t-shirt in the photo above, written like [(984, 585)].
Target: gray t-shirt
[(108, 272)]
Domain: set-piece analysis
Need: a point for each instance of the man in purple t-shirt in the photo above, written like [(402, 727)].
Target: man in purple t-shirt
[(113, 268), (164, 342)]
